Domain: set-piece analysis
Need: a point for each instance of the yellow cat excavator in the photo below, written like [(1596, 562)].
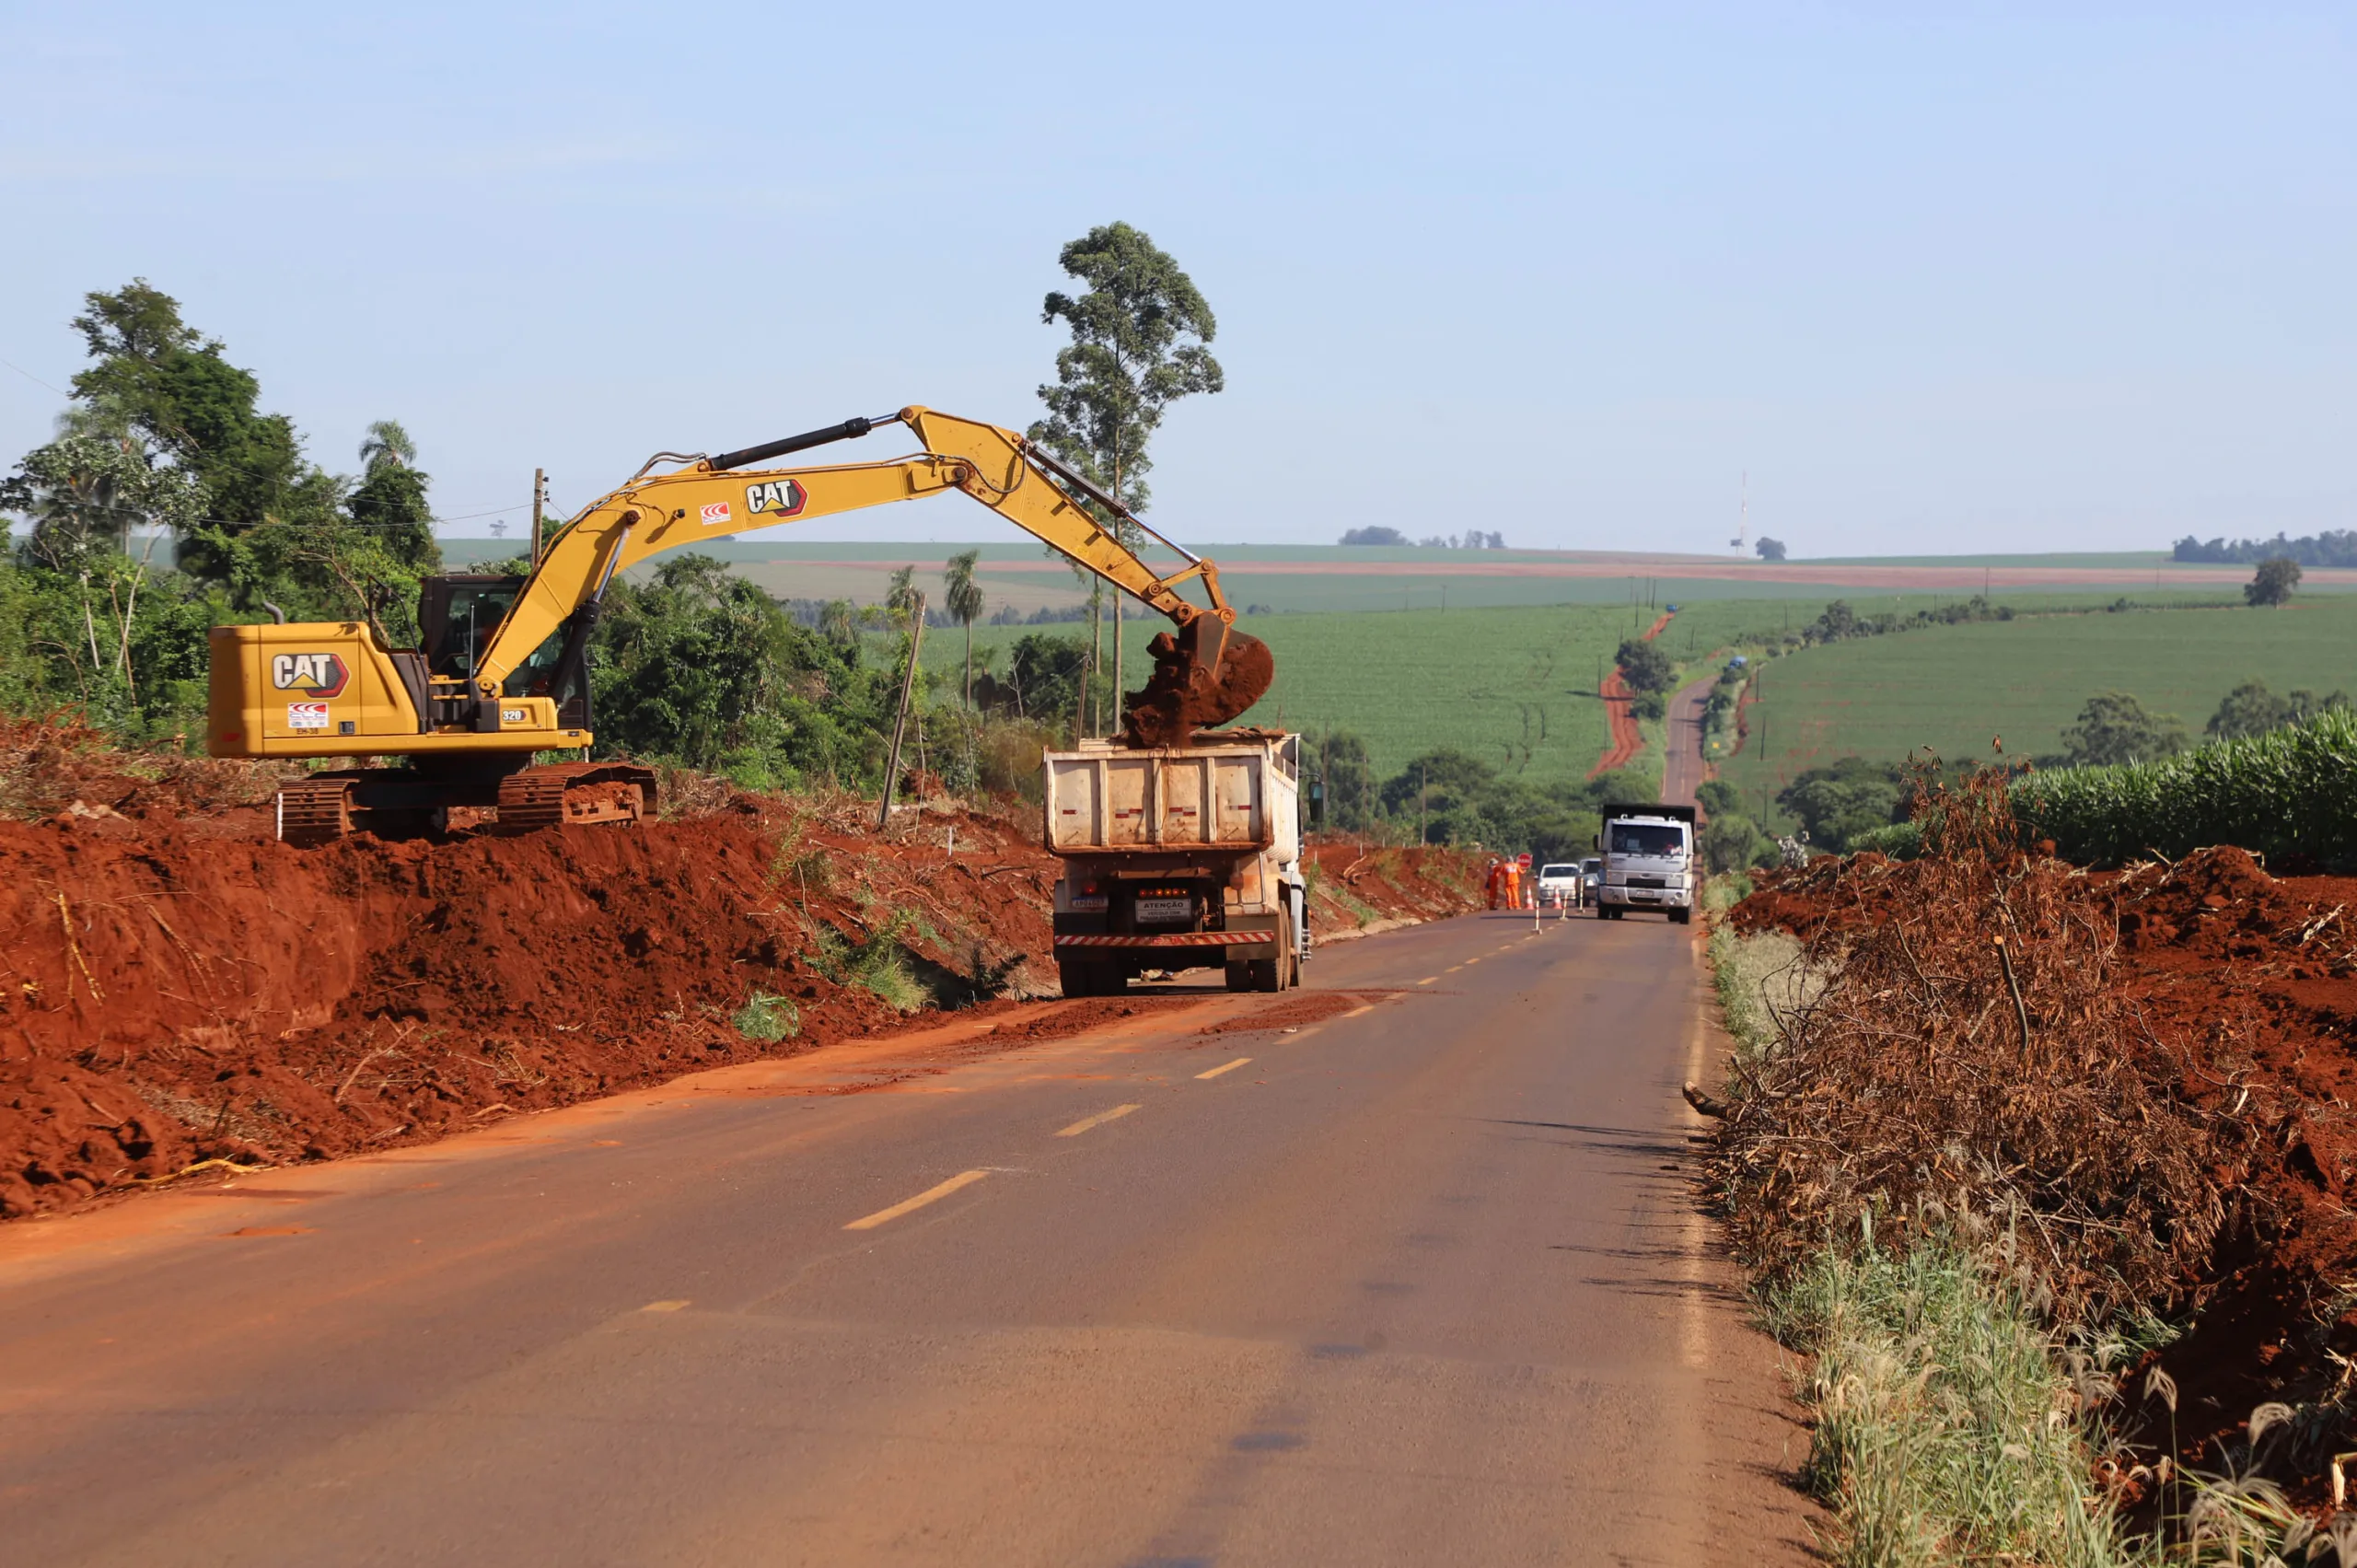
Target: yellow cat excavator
[(504, 671)]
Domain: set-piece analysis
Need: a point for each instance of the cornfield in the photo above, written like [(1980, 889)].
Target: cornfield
[(2289, 795)]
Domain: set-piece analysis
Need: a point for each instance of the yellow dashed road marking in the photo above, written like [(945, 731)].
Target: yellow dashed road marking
[(1228, 1067), (909, 1205), (663, 1306), (1102, 1116)]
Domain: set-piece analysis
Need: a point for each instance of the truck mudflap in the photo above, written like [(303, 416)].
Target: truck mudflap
[(1178, 939)]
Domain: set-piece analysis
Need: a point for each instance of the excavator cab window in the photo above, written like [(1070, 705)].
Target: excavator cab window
[(457, 615)]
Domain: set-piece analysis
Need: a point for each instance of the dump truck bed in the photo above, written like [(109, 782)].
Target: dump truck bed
[(1233, 794)]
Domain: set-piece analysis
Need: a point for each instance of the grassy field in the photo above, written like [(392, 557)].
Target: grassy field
[(1515, 687), (1323, 579), (1956, 689)]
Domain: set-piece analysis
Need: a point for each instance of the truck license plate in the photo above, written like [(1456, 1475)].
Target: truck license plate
[(1165, 910)]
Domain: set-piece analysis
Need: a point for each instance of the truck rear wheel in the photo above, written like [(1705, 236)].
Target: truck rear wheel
[(1088, 977)]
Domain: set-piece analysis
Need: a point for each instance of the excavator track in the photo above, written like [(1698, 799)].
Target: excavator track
[(569, 794), (314, 811)]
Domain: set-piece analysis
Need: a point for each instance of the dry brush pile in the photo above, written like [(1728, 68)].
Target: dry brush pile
[(1971, 1066)]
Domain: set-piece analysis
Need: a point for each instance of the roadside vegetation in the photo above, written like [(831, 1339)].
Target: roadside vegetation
[(2004, 1147)]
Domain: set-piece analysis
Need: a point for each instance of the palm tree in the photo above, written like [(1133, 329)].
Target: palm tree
[(388, 443), (901, 595), (965, 600)]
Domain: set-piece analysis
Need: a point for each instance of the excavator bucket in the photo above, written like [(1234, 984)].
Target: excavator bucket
[(1193, 686)]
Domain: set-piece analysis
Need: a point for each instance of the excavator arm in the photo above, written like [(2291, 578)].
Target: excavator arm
[(1204, 674)]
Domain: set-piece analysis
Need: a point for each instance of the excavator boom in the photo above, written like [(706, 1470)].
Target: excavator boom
[(505, 673), (1204, 676)]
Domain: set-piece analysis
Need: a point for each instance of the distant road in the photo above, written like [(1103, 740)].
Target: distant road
[(1683, 769), (1422, 1281)]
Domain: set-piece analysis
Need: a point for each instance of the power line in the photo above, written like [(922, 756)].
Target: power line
[(33, 378)]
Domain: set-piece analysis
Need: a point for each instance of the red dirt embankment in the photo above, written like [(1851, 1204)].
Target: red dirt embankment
[(2239, 995), (176, 987), (1627, 739)]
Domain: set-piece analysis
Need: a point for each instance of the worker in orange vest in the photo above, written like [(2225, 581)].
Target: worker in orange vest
[(1496, 884)]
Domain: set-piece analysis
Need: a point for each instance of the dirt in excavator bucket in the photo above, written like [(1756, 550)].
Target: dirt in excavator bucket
[(1205, 674)]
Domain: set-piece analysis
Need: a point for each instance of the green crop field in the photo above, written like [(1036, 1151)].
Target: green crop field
[(1515, 687), (1955, 689), (1320, 579)]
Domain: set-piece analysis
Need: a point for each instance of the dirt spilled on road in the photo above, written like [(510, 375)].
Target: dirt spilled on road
[(179, 988)]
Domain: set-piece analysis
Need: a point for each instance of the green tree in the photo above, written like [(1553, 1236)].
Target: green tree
[(2115, 727), (1341, 761), (389, 501), (2273, 582), (1646, 667), (159, 377), (839, 623), (900, 594), (700, 667), (2250, 709), (1731, 842), (1139, 333), (1768, 548), (1838, 802), (83, 492), (963, 596), (1838, 621), (2306, 705)]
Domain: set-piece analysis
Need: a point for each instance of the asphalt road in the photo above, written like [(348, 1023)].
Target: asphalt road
[(1419, 1284), (1682, 766)]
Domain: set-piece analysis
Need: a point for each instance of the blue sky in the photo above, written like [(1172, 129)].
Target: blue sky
[(1940, 278)]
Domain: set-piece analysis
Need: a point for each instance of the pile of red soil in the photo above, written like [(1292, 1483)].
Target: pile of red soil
[(1354, 885), (2244, 987), (176, 987)]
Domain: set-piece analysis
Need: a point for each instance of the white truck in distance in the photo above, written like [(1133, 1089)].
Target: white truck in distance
[(1178, 857), (1648, 861)]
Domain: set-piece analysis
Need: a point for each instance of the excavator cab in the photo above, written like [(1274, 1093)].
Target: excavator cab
[(456, 616), (458, 613)]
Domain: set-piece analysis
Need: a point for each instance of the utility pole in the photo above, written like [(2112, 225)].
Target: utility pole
[(539, 496), (900, 724), (1423, 783)]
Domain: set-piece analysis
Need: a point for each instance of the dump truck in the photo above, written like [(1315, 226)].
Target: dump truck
[(1178, 857), (1648, 861), (503, 671)]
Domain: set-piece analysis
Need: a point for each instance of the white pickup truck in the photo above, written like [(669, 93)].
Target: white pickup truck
[(1648, 861), (1178, 857)]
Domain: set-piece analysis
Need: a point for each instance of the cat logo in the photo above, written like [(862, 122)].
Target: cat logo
[(775, 498), (316, 675)]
